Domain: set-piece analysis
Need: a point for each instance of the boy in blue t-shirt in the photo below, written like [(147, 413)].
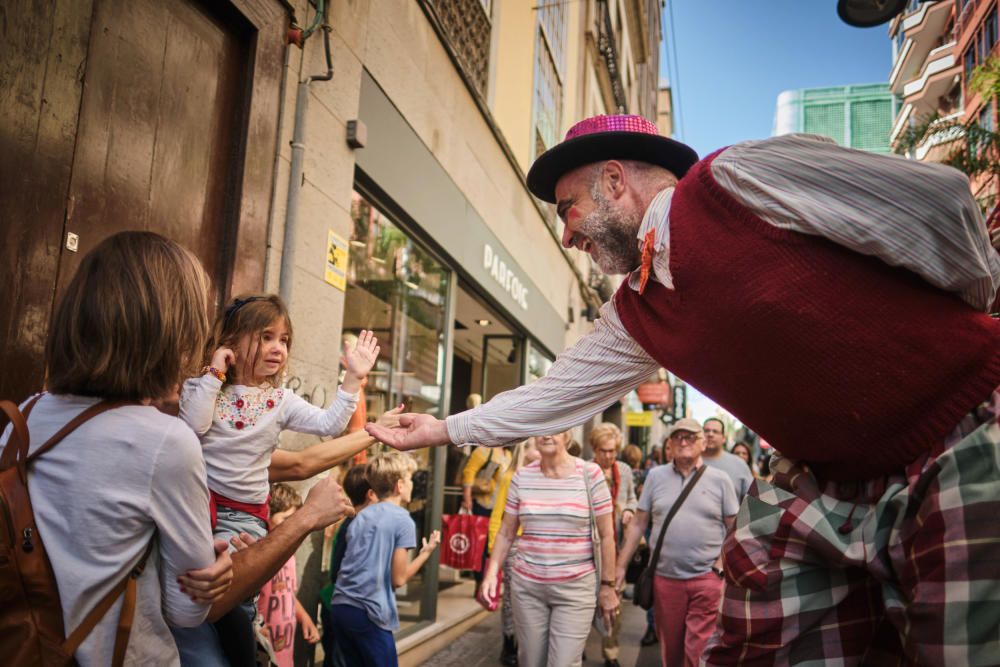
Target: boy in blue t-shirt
[(377, 562)]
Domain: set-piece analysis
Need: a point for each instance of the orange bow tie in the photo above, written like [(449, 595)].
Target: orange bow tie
[(648, 250)]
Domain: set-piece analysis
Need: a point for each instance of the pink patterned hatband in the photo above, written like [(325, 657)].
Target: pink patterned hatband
[(620, 123)]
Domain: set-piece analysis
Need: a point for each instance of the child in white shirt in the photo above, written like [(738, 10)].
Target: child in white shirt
[(238, 409)]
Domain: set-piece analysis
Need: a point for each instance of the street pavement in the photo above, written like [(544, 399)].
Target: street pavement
[(480, 646)]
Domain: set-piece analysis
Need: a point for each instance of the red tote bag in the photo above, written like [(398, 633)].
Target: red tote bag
[(463, 539)]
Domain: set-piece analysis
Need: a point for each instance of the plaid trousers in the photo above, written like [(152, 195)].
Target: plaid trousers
[(900, 570)]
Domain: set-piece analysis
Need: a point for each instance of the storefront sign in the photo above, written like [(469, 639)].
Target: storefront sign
[(654, 393), (336, 260), (402, 166), (644, 419), (504, 276)]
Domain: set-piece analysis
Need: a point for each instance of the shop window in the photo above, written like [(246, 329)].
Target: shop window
[(396, 288), (539, 364)]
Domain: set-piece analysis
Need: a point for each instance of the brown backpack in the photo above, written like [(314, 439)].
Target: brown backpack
[(31, 618)]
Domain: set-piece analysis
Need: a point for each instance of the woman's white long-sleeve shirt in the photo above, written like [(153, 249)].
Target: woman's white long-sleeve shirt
[(239, 428), (122, 478)]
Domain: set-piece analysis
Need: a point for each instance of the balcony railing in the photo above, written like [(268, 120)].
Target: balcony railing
[(609, 52), (924, 32), (943, 131), (938, 60)]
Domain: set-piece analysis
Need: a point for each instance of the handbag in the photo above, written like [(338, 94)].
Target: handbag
[(463, 539), (595, 540), (636, 566), (643, 596), (484, 483)]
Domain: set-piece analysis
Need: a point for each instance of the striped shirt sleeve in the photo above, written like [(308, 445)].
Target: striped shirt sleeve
[(597, 371), (916, 215)]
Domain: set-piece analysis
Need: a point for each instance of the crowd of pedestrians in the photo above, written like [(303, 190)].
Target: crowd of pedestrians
[(203, 495)]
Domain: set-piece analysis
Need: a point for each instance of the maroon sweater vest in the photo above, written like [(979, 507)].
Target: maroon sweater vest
[(835, 358)]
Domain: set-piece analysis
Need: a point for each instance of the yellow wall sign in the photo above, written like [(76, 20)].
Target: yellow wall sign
[(336, 260), (644, 418)]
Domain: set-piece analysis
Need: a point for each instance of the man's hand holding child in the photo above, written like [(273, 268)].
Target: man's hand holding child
[(210, 583)]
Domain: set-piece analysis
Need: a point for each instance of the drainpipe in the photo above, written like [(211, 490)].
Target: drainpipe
[(295, 176)]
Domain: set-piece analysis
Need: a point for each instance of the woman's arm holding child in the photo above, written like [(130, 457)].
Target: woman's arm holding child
[(403, 568), (178, 505)]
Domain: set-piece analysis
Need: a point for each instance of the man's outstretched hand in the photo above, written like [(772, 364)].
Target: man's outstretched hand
[(414, 431)]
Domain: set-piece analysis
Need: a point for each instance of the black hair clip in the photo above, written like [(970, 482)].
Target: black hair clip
[(236, 305)]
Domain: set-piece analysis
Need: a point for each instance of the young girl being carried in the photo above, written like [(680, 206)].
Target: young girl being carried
[(238, 408)]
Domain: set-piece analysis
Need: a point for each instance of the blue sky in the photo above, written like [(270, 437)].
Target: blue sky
[(733, 57)]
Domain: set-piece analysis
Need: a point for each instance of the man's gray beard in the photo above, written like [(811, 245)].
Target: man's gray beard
[(612, 232)]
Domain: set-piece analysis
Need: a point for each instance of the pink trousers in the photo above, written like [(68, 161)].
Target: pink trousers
[(685, 616)]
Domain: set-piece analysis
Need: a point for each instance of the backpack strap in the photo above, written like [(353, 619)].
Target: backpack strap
[(128, 586), (17, 444)]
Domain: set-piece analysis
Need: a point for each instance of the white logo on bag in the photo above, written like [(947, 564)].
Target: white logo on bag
[(459, 543)]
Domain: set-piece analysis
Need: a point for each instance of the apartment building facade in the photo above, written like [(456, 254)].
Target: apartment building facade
[(926, 75)]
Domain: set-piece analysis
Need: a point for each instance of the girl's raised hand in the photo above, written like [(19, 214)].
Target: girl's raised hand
[(390, 418), (222, 359), (359, 360)]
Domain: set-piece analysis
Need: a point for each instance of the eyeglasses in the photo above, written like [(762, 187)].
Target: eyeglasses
[(689, 438)]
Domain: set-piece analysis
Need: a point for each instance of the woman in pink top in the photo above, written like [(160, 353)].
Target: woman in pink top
[(554, 577)]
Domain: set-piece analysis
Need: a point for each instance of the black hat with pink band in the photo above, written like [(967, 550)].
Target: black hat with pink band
[(620, 137)]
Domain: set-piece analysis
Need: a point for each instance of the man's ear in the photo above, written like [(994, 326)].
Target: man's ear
[(613, 178)]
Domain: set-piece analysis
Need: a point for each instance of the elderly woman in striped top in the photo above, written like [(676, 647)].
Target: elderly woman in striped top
[(554, 574)]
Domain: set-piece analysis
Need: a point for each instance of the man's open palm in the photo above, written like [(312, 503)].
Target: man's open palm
[(414, 431)]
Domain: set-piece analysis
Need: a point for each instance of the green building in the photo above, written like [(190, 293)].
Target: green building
[(858, 116)]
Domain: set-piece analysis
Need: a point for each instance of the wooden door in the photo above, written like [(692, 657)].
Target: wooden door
[(160, 125), (173, 131)]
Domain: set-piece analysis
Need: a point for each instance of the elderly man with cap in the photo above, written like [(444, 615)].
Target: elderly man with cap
[(688, 582), (865, 354)]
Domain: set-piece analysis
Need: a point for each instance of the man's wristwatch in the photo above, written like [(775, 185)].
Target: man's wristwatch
[(608, 582), (718, 571)]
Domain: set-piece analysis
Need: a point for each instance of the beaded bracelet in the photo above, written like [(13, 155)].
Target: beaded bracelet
[(214, 371)]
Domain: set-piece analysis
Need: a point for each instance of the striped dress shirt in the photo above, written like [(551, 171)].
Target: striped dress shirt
[(915, 215)]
